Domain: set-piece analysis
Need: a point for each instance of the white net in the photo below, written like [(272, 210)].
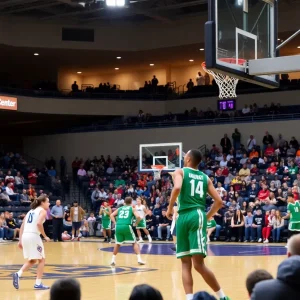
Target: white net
[(227, 84), (157, 171)]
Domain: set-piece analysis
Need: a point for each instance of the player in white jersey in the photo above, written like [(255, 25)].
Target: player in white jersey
[(142, 211), (31, 242)]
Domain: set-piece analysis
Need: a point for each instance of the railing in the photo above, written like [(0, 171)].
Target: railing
[(33, 161), (86, 85), (68, 94), (208, 91), (191, 122)]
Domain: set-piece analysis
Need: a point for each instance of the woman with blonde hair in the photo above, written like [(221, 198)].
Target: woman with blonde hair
[(278, 226)]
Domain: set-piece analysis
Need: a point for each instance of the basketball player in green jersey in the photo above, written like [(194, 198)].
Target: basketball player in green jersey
[(191, 187), (124, 233), (210, 227), (293, 214), (105, 212)]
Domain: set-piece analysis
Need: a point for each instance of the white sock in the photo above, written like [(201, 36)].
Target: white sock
[(149, 237), (38, 281), (139, 257), (113, 258), (220, 294), (72, 236), (189, 296), (20, 273)]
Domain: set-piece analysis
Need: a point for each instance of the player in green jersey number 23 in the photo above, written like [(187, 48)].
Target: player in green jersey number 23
[(191, 187), (124, 233)]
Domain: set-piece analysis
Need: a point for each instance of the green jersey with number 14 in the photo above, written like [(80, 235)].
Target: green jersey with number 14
[(193, 190), (125, 215)]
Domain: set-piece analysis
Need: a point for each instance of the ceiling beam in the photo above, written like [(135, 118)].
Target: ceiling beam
[(12, 3), (27, 8), (73, 13)]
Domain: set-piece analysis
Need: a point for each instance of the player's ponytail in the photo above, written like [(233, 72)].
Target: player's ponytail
[(38, 201)]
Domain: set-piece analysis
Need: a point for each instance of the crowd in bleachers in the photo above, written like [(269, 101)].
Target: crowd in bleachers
[(20, 184), (254, 183), (209, 114)]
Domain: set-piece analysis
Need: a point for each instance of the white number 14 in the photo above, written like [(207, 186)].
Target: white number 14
[(198, 189)]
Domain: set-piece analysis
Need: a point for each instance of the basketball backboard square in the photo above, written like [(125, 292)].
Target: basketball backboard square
[(167, 154), (239, 31)]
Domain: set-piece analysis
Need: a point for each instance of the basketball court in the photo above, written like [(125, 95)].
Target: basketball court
[(89, 260)]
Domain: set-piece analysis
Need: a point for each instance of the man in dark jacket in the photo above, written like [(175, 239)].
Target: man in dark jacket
[(285, 286)]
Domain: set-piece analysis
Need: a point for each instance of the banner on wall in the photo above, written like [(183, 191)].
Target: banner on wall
[(8, 103)]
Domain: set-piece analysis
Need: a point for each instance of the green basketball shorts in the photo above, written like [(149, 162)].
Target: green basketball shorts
[(106, 224), (124, 234), (141, 225), (191, 233), (294, 226)]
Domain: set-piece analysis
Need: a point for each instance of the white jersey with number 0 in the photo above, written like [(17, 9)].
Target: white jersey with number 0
[(140, 210), (30, 222)]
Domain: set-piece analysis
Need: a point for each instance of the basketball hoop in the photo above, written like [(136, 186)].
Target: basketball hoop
[(157, 171), (227, 84)]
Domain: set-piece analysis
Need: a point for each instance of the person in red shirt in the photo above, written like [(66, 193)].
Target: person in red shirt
[(270, 151), (254, 171), (295, 192), (32, 177), (264, 193), (120, 190), (111, 200), (266, 231), (225, 172), (272, 169)]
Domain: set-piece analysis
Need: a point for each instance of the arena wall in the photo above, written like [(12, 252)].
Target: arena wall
[(130, 108), (125, 142)]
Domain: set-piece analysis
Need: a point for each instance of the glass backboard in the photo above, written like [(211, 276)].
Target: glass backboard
[(238, 31), (167, 154)]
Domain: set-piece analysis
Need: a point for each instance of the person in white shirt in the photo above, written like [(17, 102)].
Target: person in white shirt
[(200, 79), (9, 178), (110, 169), (9, 190), (102, 194), (31, 242), (246, 110), (119, 201), (19, 180), (221, 190), (223, 162), (251, 143)]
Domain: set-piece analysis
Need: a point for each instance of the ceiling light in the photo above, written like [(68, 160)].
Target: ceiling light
[(151, 65), (191, 60), (119, 57), (36, 54), (298, 47), (115, 3), (116, 68), (201, 49), (79, 72)]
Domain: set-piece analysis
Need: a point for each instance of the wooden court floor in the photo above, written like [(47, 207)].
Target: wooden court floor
[(88, 261)]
